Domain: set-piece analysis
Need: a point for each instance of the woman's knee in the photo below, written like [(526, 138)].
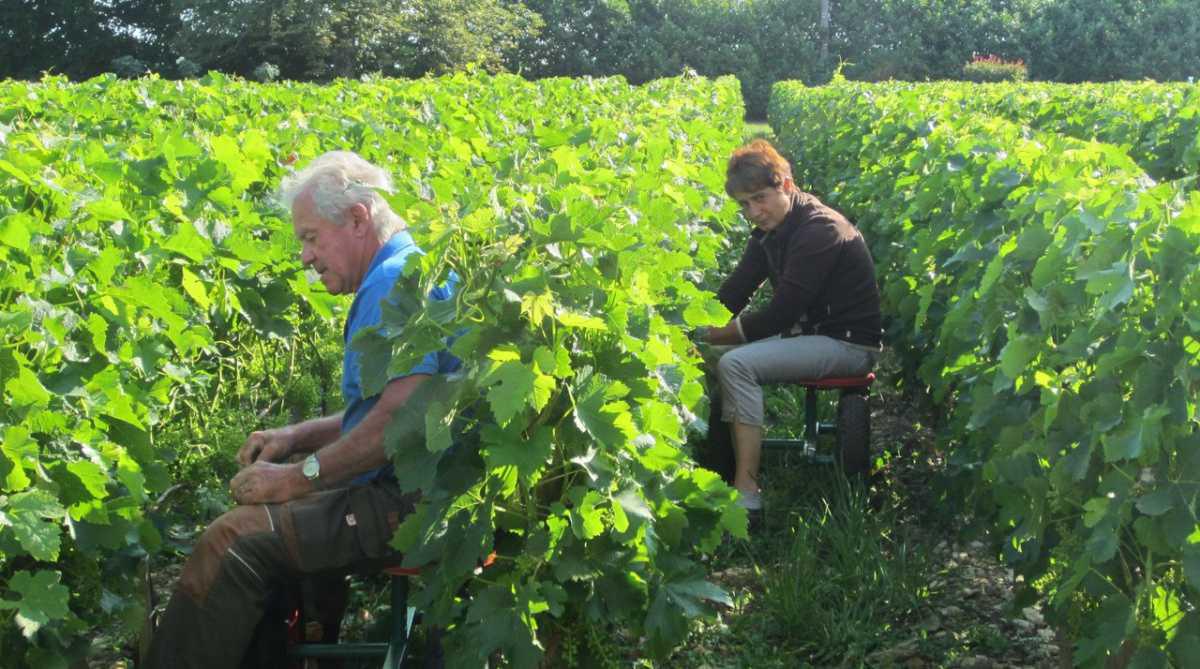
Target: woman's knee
[(734, 366)]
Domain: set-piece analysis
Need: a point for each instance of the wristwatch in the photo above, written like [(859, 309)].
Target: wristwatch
[(311, 467)]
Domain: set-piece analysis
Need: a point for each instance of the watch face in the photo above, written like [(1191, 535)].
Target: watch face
[(312, 467)]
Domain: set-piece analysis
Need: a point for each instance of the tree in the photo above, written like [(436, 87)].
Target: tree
[(1100, 40), (577, 39), (445, 35), (81, 38), (647, 39), (318, 40)]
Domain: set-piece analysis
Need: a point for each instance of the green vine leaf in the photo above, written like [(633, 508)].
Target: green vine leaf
[(42, 599), (34, 518)]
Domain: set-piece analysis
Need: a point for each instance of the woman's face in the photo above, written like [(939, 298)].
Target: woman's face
[(767, 207)]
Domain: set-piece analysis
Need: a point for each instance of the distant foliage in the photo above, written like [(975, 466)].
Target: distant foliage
[(764, 41), (1102, 40), (984, 69), (266, 72), (129, 67), (391, 37), (82, 39), (758, 41), (186, 68)]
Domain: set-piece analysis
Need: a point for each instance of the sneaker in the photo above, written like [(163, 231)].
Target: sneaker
[(752, 503)]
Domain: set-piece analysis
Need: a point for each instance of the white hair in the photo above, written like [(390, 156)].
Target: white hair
[(338, 180)]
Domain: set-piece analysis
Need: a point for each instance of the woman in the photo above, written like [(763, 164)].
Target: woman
[(823, 318)]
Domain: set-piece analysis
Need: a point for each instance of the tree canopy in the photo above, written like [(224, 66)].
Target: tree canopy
[(317, 40), (760, 41)]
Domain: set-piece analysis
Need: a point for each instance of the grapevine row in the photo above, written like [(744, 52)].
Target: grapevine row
[(1044, 289), (141, 257)]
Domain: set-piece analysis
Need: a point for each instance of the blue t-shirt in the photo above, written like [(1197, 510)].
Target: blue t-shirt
[(366, 311)]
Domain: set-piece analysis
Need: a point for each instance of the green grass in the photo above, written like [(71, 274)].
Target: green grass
[(831, 577), (846, 574)]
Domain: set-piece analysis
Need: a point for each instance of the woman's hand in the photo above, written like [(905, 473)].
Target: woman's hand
[(726, 335)]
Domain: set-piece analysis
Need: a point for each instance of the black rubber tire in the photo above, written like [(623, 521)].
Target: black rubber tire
[(854, 433)]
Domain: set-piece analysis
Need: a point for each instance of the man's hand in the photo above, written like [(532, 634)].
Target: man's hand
[(271, 445), (269, 483)]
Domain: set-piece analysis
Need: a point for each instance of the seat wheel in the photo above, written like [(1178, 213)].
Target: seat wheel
[(854, 433)]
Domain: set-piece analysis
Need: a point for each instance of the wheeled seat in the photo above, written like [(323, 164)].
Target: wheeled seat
[(396, 649), (852, 427), (392, 651)]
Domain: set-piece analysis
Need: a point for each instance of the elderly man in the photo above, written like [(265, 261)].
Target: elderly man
[(337, 508)]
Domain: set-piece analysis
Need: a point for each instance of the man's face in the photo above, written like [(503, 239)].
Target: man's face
[(340, 254), (766, 207)]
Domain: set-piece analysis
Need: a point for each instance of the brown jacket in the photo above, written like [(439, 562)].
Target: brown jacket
[(821, 272)]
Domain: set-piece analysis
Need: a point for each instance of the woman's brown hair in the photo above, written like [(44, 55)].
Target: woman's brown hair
[(755, 166)]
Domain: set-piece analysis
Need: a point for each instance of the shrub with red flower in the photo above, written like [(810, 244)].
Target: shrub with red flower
[(994, 68)]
